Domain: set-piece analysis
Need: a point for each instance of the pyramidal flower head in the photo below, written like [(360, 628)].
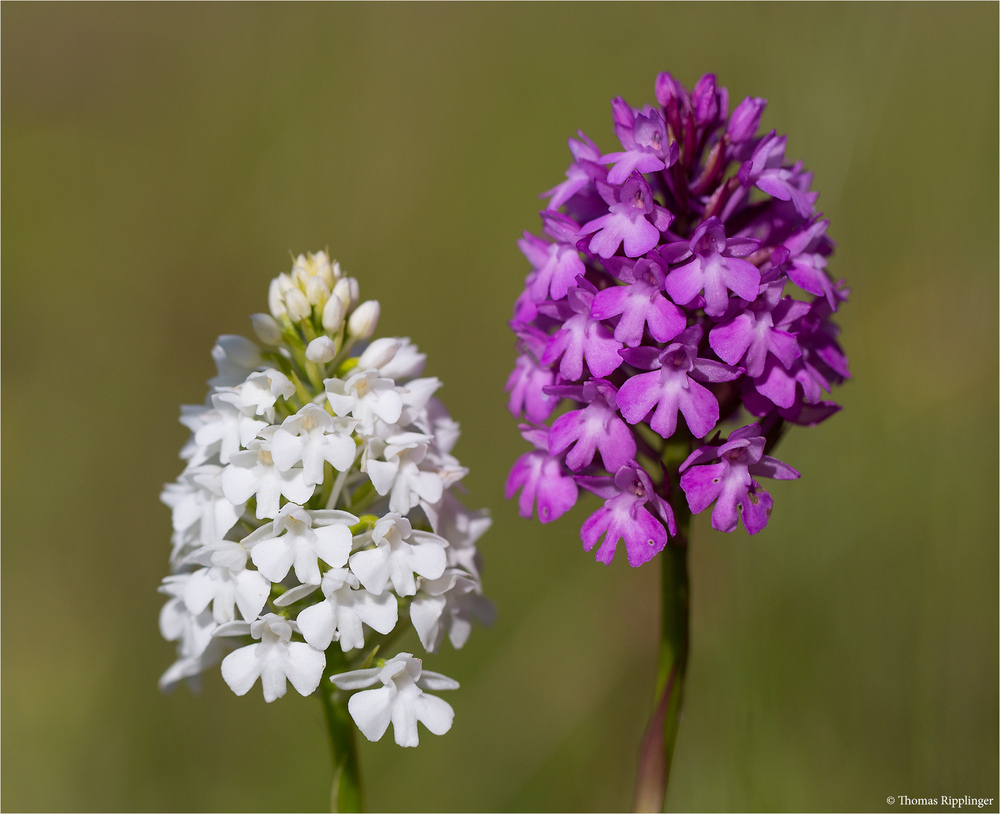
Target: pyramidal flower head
[(678, 292), (316, 515)]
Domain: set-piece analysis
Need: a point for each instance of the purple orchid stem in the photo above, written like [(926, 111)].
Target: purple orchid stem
[(656, 750)]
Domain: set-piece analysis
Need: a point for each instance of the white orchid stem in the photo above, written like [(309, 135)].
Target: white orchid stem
[(346, 794)]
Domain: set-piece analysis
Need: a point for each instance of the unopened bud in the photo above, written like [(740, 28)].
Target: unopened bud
[(378, 353), (347, 289), (317, 291), (333, 315), (321, 350), (362, 322), (297, 305), (267, 328), (275, 299), (337, 273)]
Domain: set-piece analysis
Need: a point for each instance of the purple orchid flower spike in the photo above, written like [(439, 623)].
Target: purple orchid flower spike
[(595, 428), (660, 321), (714, 265), (628, 220), (541, 478), (730, 482), (640, 304), (670, 386), (632, 512)]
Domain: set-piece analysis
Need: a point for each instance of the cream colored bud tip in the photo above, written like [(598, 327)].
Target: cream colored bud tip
[(363, 321), (321, 350), (297, 305), (333, 315), (378, 353), (267, 328)]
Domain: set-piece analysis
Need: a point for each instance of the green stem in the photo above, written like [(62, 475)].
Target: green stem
[(657, 749), (346, 793)]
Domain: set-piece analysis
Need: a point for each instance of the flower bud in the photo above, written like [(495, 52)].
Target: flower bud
[(378, 353), (321, 350), (333, 315), (301, 271), (275, 300), (267, 328), (336, 273), (317, 291), (297, 305), (362, 322), (745, 120), (347, 290)]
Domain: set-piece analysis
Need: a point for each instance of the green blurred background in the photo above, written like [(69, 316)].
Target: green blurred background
[(160, 162)]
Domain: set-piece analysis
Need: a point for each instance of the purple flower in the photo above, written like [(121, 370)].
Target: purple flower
[(765, 170), (557, 265), (626, 515), (540, 477), (757, 331), (627, 221), (595, 428), (646, 149), (528, 380), (714, 267), (669, 386), (730, 483), (640, 303), (577, 176), (580, 338), (667, 303)]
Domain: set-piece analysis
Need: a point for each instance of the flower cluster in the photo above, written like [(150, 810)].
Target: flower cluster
[(316, 514), (657, 310)]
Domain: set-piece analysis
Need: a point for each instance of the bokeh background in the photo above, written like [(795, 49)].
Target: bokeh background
[(159, 164)]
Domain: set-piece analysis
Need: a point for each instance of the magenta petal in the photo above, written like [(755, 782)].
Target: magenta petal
[(731, 339), (756, 509), (699, 407), (742, 278), (685, 283), (638, 396), (703, 484)]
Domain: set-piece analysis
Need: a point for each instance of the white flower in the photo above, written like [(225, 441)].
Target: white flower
[(446, 607), (345, 612), (275, 659), (406, 363), (400, 700), (235, 358), (196, 649), (401, 474), (261, 390), (299, 537), (313, 436), (200, 512), (399, 553), (252, 472), (227, 424), (365, 396), (225, 582)]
